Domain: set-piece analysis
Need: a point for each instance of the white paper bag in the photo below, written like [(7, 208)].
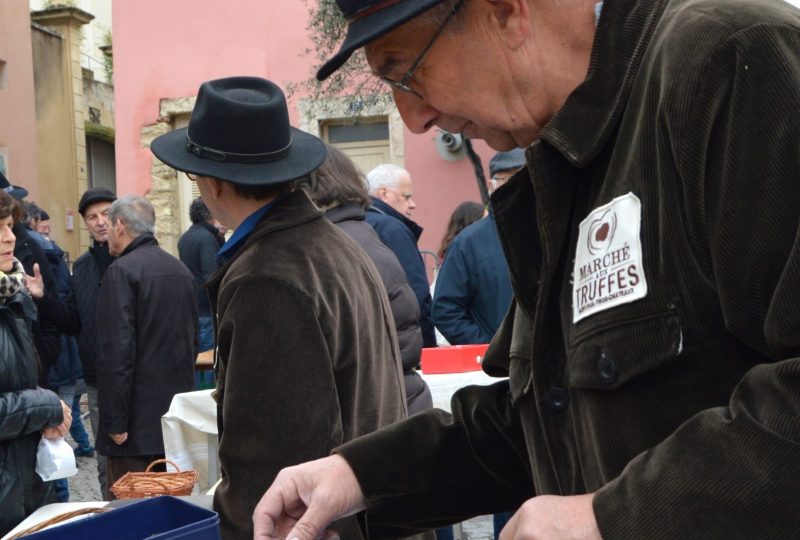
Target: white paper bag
[(55, 459)]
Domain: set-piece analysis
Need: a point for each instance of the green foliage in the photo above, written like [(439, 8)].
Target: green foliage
[(108, 58), (99, 131), (327, 29)]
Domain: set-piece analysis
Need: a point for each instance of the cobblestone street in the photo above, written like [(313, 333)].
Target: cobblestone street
[(84, 485)]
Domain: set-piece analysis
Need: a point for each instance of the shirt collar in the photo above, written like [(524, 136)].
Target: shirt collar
[(241, 233)]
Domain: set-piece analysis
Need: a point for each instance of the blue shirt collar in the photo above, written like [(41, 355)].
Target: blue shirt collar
[(243, 231)]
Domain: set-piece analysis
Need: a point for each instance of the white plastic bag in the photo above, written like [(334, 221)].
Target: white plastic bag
[(55, 459)]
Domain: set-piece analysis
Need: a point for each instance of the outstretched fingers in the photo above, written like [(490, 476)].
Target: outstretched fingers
[(303, 500)]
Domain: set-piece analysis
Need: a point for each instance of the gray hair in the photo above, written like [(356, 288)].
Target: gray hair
[(135, 212), (385, 175), (437, 15), (32, 211)]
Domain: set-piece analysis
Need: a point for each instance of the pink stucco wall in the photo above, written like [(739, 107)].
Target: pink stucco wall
[(166, 48), (17, 99)]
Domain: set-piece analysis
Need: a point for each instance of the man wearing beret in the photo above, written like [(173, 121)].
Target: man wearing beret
[(653, 348), (87, 275), (307, 354)]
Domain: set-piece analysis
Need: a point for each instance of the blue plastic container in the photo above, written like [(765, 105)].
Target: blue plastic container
[(157, 518)]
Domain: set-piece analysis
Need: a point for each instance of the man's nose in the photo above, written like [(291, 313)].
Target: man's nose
[(411, 204), (417, 115)]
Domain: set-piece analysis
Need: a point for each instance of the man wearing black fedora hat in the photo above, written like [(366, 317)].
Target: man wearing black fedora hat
[(307, 354), (653, 345)]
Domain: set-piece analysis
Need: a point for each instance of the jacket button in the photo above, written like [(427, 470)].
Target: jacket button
[(558, 399), (607, 369)]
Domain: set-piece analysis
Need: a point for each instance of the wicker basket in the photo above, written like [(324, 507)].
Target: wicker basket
[(56, 520), (138, 485)]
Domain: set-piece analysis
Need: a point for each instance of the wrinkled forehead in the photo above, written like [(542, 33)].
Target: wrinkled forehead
[(97, 209)]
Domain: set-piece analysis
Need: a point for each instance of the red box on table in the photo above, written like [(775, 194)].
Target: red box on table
[(453, 358)]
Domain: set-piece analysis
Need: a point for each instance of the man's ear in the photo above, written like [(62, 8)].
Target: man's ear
[(511, 20), (217, 187)]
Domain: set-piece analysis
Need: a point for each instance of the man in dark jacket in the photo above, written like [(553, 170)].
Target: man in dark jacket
[(389, 214), (473, 290), (197, 249), (147, 339), (653, 349), (87, 276), (306, 351)]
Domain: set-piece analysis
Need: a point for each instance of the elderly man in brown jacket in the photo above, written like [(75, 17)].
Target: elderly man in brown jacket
[(653, 351), (307, 354)]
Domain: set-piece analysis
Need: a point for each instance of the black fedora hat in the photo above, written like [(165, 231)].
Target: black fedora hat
[(239, 132), (15, 191), (367, 20)]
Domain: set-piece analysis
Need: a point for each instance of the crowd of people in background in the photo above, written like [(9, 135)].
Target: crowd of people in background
[(147, 315), (124, 325)]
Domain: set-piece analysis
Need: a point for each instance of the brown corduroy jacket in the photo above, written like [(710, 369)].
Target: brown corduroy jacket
[(681, 407), (307, 355)]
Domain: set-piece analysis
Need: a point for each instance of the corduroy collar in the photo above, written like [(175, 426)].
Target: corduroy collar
[(591, 112)]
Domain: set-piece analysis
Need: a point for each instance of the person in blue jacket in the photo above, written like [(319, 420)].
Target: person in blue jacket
[(473, 290), (390, 189)]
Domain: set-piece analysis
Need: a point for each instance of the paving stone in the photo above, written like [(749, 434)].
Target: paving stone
[(84, 485)]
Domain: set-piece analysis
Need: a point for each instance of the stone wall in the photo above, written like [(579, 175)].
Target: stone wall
[(60, 110), (164, 193), (99, 97)]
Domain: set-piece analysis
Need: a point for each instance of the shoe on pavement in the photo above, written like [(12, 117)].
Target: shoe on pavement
[(83, 452)]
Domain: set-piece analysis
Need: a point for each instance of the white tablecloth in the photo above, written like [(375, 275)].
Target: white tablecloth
[(190, 436), (444, 385), (190, 425)]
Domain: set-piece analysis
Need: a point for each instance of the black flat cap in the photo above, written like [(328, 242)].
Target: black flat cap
[(94, 195)]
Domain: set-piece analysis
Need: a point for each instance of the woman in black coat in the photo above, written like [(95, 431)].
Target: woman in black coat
[(27, 412), (337, 187)]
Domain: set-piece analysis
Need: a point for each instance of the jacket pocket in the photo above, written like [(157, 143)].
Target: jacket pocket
[(607, 357), (621, 375)]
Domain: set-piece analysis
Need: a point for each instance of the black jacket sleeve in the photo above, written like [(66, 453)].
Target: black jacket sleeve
[(63, 314), (28, 411), (116, 336)]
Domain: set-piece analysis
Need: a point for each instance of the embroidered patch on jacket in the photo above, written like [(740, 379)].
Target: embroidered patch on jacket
[(608, 261)]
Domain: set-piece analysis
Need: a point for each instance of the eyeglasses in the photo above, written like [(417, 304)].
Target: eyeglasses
[(191, 176), (403, 84)]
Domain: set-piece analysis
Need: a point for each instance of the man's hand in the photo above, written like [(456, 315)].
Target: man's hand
[(119, 438), (553, 518), (63, 429), (303, 500), (35, 283)]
